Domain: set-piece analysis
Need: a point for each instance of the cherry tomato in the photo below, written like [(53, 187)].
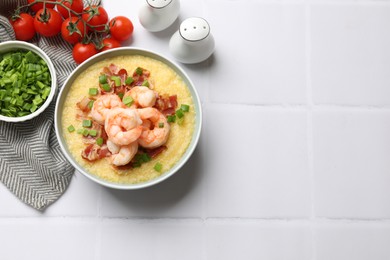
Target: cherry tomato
[(121, 28), (110, 43), (96, 17), (75, 5), (38, 6), (72, 30), (23, 27), (47, 22), (82, 51)]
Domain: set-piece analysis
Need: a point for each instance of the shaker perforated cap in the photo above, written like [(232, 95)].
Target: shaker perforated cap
[(159, 3), (194, 29)]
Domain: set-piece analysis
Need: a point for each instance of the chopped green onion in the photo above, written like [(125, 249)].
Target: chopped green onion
[(179, 113), (158, 167), (93, 91), (171, 118), (102, 79), (85, 132), (117, 80), (99, 141), (106, 87), (136, 164), (145, 83), (90, 104), (160, 125), (87, 123), (129, 80), (145, 157), (93, 132), (185, 108), (128, 101), (139, 71), (120, 95), (71, 128), (80, 130)]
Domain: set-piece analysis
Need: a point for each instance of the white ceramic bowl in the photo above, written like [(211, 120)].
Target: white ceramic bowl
[(19, 45), (110, 54)]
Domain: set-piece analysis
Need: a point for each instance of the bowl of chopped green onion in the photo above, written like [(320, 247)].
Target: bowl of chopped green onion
[(27, 81)]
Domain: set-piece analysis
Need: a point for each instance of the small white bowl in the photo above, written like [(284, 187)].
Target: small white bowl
[(19, 45)]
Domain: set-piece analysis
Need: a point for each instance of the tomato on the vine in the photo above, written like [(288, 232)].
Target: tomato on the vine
[(110, 43), (82, 51), (75, 5), (121, 28), (96, 17), (38, 6), (72, 30), (23, 25), (47, 22)]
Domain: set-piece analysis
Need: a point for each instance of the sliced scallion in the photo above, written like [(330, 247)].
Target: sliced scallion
[(129, 80), (102, 79), (93, 91), (87, 123), (158, 167), (117, 80), (71, 128), (128, 101), (99, 141)]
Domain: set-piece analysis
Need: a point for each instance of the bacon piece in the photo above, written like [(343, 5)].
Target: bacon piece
[(100, 133), (139, 79), (156, 151), (122, 73), (107, 71), (114, 69), (104, 152), (166, 104), (83, 104), (94, 152)]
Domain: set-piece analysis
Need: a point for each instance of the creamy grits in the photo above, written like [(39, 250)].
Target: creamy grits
[(164, 81)]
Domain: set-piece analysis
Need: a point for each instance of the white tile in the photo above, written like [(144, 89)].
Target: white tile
[(151, 240), (260, 52), (178, 196), (258, 163), (350, 57), (353, 241), (351, 163), (47, 239), (80, 199), (277, 241)]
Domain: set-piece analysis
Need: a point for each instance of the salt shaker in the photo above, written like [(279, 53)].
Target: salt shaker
[(193, 42), (157, 15)]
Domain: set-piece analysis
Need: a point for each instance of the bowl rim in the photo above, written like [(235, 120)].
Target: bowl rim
[(14, 45), (148, 53)]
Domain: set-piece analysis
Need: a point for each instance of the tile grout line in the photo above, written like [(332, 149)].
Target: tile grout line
[(310, 147)]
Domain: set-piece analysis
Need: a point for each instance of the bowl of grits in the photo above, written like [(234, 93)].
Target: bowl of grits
[(128, 118)]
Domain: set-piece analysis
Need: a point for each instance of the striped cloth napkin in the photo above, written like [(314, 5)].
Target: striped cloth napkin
[(31, 163)]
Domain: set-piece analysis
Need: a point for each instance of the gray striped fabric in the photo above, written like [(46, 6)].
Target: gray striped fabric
[(31, 163)]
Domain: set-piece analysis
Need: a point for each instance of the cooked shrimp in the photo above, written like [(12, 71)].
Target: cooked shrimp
[(155, 128), (102, 106), (123, 125), (143, 96), (121, 155)]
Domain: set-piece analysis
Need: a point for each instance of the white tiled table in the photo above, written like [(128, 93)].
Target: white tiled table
[(293, 161)]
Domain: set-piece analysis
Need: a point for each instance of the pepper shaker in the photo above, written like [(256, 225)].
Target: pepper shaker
[(193, 42), (157, 15)]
